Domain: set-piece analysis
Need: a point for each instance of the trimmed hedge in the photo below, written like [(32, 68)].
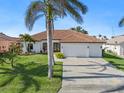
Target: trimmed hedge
[(59, 55)]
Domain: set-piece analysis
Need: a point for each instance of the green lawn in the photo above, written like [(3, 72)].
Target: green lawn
[(30, 76), (115, 60)]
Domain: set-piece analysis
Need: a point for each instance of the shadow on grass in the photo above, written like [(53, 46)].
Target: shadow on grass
[(109, 55), (117, 65), (27, 73), (114, 60)]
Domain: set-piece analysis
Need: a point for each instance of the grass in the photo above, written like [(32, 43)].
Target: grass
[(118, 62), (30, 76)]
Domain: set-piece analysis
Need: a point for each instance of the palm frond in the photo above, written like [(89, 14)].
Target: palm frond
[(83, 8), (59, 8), (121, 23), (73, 12), (73, 8), (35, 11)]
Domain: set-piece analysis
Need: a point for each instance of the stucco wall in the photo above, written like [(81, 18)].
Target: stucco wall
[(122, 49), (37, 46), (72, 49), (114, 48), (5, 44)]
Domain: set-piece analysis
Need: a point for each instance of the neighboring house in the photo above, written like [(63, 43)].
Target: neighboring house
[(116, 45), (71, 43), (6, 41)]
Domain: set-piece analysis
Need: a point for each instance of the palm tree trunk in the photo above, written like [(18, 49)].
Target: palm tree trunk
[(25, 46), (52, 27), (53, 61), (49, 48), (49, 43)]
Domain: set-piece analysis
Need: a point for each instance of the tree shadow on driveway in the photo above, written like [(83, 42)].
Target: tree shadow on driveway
[(94, 76), (116, 89), (26, 74), (97, 76)]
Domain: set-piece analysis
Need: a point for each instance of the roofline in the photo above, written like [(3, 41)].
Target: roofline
[(113, 44), (95, 41), (70, 42), (82, 42)]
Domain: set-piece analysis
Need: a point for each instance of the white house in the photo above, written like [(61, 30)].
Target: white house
[(69, 42), (116, 45)]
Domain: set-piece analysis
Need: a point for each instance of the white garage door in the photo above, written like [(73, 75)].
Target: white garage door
[(75, 50), (95, 50)]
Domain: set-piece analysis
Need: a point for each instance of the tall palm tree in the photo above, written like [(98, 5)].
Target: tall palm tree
[(121, 23), (52, 9)]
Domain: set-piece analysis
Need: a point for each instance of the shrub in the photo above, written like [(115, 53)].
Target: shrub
[(8, 58), (59, 55), (15, 48)]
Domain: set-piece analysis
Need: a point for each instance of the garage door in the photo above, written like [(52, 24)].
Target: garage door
[(75, 50), (95, 50)]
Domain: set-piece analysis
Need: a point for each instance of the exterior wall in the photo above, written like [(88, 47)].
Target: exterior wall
[(71, 49), (5, 44), (114, 48), (45, 41), (37, 46), (24, 47), (122, 49), (81, 49)]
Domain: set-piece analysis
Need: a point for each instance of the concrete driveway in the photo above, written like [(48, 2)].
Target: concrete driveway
[(91, 75)]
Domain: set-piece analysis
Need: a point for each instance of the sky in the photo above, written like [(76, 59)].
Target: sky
[(102, 18)]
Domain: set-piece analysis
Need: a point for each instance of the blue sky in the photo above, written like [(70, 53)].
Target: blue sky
[(102, 18)]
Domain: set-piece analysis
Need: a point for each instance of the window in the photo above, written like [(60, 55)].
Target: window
[(56, 47), (30, 47), (44, 47)]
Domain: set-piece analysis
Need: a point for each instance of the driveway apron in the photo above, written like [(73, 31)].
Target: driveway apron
[(91, 75)]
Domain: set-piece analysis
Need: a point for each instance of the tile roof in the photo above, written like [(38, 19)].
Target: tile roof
[(116, 40), (68, 36), (5, 37)]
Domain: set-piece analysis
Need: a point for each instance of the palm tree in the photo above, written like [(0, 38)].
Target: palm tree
[(121, 23), (26, 38), (100, 36), (52, 9), (79, 29)]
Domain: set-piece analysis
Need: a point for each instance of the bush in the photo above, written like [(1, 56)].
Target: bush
[(8, 58), (59, 55)]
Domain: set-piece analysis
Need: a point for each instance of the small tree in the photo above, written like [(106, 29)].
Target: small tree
[(79, 29), (8, 58), (26, 38), (99, 35), (16, 48), (11, 56), (2, 59)]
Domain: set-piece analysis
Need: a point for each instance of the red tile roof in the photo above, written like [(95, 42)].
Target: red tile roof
[(68, 36), (5, 37)]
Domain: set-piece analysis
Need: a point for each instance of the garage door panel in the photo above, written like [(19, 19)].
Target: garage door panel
[(95, 50), (75, 50)]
